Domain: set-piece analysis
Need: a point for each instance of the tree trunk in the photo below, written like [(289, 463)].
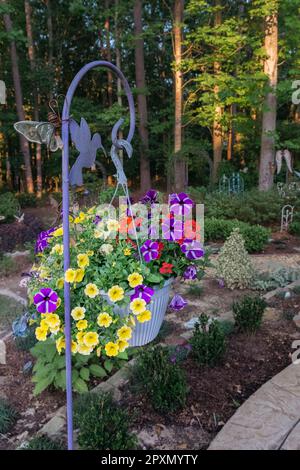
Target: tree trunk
[(19, 103), (50, 43), (118, 64), (267, 152), (179, 162), (217, 128), (31, 55), (108, 56), (145, 178)]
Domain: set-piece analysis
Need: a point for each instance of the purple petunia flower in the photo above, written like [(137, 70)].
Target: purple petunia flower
[(149, 250), (180, 204), (177, 303), (172, 229), (221, 283), (97, 219), (42, 240), (150, 197), (192, 249), (142, 292), (190, 272), (46, 300)]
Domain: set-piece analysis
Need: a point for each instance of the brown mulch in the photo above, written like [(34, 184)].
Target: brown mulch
[(215, 393)]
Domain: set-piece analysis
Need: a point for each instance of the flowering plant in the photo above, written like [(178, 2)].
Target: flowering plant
[(113, 262)]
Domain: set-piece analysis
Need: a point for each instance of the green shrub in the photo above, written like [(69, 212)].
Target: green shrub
[(7, 265), (9, 207), (234, 264), (294, 228), (208, 341), (161, 380), (248, 313), (25, 343), (43, 443), (8, 416), (27, 200), (103, 425), (255, 236)]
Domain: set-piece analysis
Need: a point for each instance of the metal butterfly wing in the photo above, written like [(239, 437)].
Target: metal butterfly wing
[(40, 133)]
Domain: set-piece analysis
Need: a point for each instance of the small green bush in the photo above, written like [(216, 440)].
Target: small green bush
[(248, 313), (9, 207), (208, 341), (7, 265), (294, 228), (103, 425), (27, 200), (25, 343), (8, 416), (161, 380), (43, 443), (255, 236)]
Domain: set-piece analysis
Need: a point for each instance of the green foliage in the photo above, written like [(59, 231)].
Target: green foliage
[(294, 228), (8, 416), (103, 425), (255, 236), (279, 278), (234, 264), (208, 341), (49, 369), (195, 291), (27, 200), (27, 342), (248, 313), (9, 207), (43, 443), (162, 381), (7, 265)]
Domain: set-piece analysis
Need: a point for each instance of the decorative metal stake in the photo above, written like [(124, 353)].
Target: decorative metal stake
[(65, 193), (287, 214)]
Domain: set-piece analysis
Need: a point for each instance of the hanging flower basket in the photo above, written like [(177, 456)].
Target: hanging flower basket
[(146, 332)]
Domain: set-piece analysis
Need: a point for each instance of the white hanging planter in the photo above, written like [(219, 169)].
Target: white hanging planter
[(144, 333)]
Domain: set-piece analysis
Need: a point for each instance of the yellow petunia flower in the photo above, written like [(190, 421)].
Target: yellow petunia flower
[(91, 339), (78, 313), (84, 350), (60, 283), (138, 306), (53, 320), (112, 225), (83, 260), (44, 324), (58, 249), (74, 347), (55, 330), (124, 333), (91, 290), (98, 351), (58, 303), (41, 333), (90, 252), (80, 218), (144, 316), (79, 275), (135, 279), (79, 336), (70, 275), (81, 325), (60, 344), (122, 345), (127, 252), (111, 349), (58, 232), (115, 293), (104, 319)]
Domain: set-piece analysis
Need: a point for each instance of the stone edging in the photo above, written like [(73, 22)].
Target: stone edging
[(268, 420)]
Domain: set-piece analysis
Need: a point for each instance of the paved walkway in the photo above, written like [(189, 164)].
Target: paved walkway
[(269, 419)]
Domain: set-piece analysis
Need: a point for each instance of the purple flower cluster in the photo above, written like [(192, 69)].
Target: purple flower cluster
[(150, 250), (151, 197), (46, 300), (172, 229), (142, 292), (192, 249), (42, 240), (180, 204), (177, 303), (190, 273)]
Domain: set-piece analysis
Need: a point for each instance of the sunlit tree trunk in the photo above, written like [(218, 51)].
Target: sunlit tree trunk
[(108, 56), (145, 178), (180, 166), (267, 152), (31, 55), (50, 41), (19, 102), (118, 64), (217, 128)]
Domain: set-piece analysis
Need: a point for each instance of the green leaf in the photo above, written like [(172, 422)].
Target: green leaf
[(75, 375), (123, 355), (43, 384), (108, 365), (84, 373), (80, 386), (155, 278), (97, 370)]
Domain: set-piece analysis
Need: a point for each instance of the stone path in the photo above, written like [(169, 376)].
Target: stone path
[(269, 419)]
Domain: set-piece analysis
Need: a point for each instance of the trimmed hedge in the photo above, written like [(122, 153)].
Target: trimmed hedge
[(255, 236)]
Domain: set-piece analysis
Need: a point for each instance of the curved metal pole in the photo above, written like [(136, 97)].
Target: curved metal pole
[(66, 232)]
